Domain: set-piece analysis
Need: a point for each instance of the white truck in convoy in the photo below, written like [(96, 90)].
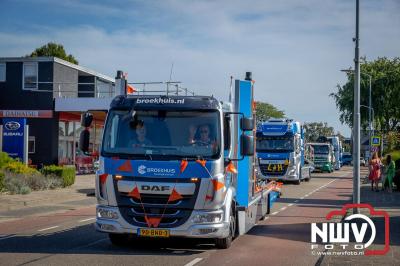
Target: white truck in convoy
[(180, 166)]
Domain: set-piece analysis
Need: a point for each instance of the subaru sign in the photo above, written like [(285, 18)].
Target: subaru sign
[(13, 137)]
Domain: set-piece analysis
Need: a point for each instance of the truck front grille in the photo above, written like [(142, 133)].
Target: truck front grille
[(272, 170), (174, 213)]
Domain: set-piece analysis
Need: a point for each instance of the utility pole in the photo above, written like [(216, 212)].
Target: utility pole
[(356, 118), (370, 118)]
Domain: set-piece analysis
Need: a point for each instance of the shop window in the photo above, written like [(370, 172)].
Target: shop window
[(2, 72), (30, 76), (61, 128), (31, 144)]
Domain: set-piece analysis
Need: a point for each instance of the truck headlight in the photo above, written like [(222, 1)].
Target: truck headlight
[(106, 214), (292, 171), (207, 217)]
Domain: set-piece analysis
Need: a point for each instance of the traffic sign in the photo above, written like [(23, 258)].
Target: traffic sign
[(376, 141)]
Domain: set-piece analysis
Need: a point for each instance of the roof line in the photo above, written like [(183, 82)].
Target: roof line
[(57, 60), (83, 69)]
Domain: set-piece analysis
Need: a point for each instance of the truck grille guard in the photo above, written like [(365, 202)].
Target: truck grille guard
[(154, 210), (265, 172)]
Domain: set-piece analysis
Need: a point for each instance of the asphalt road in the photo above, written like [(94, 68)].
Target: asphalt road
[(283, 238)]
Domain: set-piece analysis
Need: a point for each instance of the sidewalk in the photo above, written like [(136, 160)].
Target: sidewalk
[(80, 194), (389, 202)]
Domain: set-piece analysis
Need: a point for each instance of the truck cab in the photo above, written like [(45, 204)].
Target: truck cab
[(180, 166), (337, 150), (280, 151), (324, 158)]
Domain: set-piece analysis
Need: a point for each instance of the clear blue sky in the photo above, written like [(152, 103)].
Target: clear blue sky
[(295, 49)]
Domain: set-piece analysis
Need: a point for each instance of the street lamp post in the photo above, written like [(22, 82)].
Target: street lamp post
[(356, 118)]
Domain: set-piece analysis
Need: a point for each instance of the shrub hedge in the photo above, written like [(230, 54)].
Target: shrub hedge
[(66, 173), (19, 168), (4, 159)]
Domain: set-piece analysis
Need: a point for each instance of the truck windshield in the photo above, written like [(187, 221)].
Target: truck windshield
[(165, 135), (321, 149), (272, 144)]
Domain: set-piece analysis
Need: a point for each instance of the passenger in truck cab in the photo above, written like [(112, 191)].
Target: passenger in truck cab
[(141, 139), (203, 136)]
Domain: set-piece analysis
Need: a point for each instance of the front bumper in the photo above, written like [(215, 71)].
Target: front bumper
[(290, 175), (188, 229), (323, 167)]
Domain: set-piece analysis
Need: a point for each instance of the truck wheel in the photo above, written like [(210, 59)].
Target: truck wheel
[(224, 243), (119, 239)]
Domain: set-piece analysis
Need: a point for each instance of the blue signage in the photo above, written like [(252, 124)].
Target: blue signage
[(13, 137), (376, 141)]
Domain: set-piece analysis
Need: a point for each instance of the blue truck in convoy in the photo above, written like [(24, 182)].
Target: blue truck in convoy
[(281, 151), (180, 166), (337, 150)]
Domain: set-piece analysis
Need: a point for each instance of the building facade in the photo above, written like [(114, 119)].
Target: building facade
[(51, 94)]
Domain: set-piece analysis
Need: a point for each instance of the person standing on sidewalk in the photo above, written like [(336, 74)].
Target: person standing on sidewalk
[(374, 171), (390, 172)]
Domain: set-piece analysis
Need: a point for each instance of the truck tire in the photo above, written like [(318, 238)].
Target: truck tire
[(119, 240), (224, 243)]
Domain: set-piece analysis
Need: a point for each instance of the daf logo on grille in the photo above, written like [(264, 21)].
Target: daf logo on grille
[(142, 169), (154, 188), (12, 125)]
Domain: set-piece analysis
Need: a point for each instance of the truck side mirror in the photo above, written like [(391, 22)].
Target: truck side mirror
[(86, 119), (247, 145), (84, 140), (246, 124), (84, 137)]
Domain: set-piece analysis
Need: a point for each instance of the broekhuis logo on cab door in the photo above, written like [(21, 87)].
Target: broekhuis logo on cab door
[(358, 227), (142, 169)]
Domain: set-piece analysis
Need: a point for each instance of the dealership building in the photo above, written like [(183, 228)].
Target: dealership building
[(48, 95)]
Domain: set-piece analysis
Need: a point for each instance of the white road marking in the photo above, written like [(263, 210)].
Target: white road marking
[(88, 219), (48, 228), (193, 262), (283, 208), (302, 198), (291, 204), (266, 218), (274, 213)]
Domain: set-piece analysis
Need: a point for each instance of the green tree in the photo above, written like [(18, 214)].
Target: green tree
[(265, 111), (54, 49), (315, 129), (385, 86)]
